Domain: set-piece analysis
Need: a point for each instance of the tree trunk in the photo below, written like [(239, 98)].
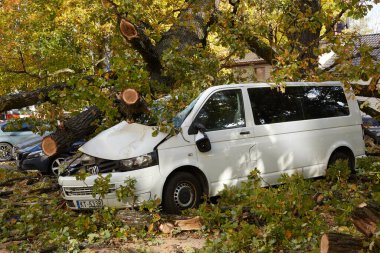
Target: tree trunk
[(340, 243), (72, 130), (365, 218), (133, 105)]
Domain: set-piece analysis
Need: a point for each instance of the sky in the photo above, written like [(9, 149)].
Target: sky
[(371, 23)]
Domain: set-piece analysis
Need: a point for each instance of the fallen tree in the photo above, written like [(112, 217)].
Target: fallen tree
[(172, 46), (73, 129)]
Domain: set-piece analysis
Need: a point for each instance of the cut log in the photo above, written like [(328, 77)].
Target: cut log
[(365, 218), (130, 96), (73, 129), (340, 243), (190, 224), (128, 30), (131, 105)]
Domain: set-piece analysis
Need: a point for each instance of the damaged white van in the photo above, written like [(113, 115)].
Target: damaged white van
[(224, 134)]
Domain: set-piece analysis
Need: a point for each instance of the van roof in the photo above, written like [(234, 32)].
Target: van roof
[(260, 85)]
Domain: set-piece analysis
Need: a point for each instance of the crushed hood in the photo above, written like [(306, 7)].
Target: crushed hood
[(123, 141)]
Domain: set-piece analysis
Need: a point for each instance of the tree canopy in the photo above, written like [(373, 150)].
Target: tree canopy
[(78, 53)]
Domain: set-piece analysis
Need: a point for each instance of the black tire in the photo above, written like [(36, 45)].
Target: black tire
[(341, 155), (182, 191)]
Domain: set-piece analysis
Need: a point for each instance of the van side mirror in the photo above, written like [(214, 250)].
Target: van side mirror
[(201, 139), (200, 127)]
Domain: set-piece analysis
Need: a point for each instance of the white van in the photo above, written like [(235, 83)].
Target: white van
[(224, 134)]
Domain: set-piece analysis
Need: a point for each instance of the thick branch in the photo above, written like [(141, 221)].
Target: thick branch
[(367, 90), (141, 42), (72, 130), (190, 28), (27, 98), (260, 49)]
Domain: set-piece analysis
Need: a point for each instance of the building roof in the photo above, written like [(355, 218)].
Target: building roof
[(373, 40)]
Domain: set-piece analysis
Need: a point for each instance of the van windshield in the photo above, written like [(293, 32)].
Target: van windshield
[(181, 116)]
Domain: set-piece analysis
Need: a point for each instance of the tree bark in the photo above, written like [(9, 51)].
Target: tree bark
[(190, 29), (72, 130), (340, 243), (365, 218), (28, 98), (370, 111), (190, 224)]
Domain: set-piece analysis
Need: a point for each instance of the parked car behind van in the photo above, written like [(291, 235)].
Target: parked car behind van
[(10, 137), (371, 128), (224, 134), (33, 158)]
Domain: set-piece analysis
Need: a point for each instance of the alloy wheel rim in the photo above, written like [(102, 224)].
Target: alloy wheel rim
[(5, 152), (56, 165)]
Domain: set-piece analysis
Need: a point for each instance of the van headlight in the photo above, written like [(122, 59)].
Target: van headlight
[(140, 162)]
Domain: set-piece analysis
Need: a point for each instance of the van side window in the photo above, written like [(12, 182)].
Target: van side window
[(223, 110), (297, 103), (324, 102), (272, 106)]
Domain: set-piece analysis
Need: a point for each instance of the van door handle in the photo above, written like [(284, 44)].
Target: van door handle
[(244, 133)]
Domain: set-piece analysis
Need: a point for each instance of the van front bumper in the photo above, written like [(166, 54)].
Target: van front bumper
[(78, 193)]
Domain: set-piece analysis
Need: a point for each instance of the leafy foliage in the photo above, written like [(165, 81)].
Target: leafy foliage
[(289, 217), (64, 41)]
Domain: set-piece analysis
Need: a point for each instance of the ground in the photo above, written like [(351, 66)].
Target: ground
[(293, 215), (186, 241)]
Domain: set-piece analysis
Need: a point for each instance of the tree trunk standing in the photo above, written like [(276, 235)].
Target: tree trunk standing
[(304, 40), (340, 243), (72, 130)]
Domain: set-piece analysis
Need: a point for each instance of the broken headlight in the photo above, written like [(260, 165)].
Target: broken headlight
[(140, 162)]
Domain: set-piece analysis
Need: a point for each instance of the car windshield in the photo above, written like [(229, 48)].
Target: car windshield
[(181, 116)]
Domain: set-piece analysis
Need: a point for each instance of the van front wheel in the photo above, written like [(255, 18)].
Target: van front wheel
[(182, 191)]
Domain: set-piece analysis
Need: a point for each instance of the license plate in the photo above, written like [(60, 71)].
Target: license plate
[(88, 204)]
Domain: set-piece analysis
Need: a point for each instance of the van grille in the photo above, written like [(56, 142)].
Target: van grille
[(84, 191)]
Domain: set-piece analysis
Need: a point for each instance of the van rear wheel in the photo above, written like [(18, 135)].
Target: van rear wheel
[(345, 156), (182, 191)]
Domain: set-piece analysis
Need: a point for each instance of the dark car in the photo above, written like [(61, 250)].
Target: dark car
[(33, 158), (371, 128)]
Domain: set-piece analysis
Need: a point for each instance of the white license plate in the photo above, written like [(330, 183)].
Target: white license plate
[(87, 204)]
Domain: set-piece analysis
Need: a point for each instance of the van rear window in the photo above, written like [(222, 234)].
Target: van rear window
[(297, 103)]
